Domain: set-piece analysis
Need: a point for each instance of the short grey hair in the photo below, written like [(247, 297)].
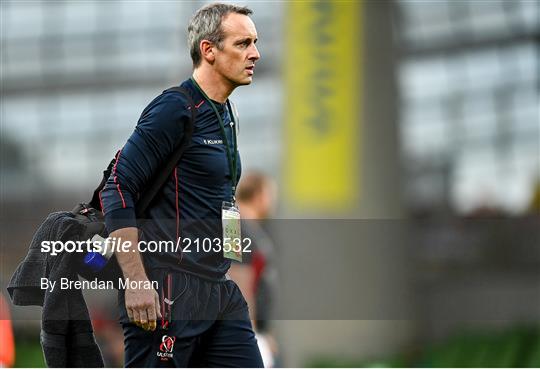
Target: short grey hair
[(206, 25)]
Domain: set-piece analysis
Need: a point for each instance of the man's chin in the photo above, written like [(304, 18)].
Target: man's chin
[(247, 81), (243, 82), (248, 78)]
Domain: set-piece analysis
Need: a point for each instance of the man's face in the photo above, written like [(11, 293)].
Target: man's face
[(236, 59)]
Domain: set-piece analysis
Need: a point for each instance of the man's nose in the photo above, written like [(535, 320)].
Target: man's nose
[(254, 54)]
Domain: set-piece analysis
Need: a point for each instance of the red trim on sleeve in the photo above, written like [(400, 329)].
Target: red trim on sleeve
[(116, 181), (120, 192)]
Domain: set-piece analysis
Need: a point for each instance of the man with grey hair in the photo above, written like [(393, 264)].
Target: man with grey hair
[(197, 317)]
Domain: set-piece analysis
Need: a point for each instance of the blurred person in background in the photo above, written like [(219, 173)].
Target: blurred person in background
[(257, 274), (109, 337), (204, 318)]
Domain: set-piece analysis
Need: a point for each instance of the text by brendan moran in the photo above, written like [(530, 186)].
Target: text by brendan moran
[(95, 284)]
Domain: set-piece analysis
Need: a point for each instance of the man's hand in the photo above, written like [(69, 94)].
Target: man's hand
[(142, 305), (143, 308)]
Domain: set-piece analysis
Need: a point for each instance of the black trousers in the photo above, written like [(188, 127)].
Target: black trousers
[(209, 326)]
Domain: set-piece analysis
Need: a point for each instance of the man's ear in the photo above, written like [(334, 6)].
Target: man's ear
[(207, 51)]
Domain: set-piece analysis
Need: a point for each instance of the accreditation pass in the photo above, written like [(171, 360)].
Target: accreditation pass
[(232, 244)]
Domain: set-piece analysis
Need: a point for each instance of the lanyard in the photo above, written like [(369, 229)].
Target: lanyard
[(232, 161)]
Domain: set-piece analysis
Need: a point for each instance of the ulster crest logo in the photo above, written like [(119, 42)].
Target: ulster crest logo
[(166, 347)]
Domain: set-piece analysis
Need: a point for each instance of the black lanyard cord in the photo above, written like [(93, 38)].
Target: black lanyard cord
[(232, 161)]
